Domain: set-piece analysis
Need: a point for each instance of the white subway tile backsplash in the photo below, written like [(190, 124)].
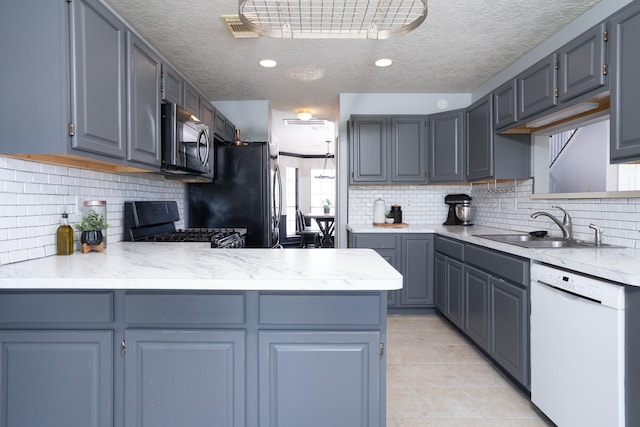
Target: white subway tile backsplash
[(504, 205), (34, 195)]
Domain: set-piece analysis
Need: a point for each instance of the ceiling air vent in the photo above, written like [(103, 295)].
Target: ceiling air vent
[(298, 122), (237, 28)]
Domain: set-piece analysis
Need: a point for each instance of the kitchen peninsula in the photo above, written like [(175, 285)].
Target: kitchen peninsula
[(181, 334)]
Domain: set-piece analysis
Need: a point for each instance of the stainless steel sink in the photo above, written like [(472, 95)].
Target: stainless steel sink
[(528, 241)]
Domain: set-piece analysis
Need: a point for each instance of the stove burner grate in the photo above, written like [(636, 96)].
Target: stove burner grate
[(219, 237)]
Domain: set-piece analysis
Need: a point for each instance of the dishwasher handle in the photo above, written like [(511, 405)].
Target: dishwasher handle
[(569, 293)]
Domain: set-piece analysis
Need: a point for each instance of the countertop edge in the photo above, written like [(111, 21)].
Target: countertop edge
[(619, 265)]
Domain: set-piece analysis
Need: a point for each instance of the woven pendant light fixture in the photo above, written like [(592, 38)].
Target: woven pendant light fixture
[(332, 19)]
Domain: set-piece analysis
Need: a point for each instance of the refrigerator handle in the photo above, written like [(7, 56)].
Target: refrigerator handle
[(277, 204)]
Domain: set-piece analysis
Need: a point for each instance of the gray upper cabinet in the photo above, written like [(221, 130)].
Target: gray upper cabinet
[(191, 99), (537, 87), (172, 83), (445, 143), (368, 149), (98, 101), (387, 149), (479, 146), (625, 85), (408, 149), (23, 62), (230, 130), (208, 118), (100, 90), (144, 103), (582, 64), (505, 101), (490, 155), (220, 126)]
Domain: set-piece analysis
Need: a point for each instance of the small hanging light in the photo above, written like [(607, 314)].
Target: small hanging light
[(325, 172)]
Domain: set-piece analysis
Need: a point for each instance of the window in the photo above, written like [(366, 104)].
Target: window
[(322, 188)]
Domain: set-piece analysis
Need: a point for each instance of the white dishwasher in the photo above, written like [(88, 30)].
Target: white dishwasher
[(577, 348)]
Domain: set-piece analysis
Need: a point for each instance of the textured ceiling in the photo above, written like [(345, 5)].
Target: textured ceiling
[(461, 45)]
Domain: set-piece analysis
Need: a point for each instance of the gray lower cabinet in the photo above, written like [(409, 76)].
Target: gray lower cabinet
[(476, 306), (449, 288), (497, 307), (184, 378), (192, 358), (510, 327), (412, 254), (625, 84), (319, 379), (449, 281), (445, 143), (485, 293), (145, 70), (56, 378), (417, 270)]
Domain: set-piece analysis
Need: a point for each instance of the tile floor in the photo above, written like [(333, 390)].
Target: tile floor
[(436, 378)]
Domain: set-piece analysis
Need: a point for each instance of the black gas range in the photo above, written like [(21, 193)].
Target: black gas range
[(154, 221)]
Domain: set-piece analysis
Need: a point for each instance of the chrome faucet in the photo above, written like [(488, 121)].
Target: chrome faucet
[(566, 226)]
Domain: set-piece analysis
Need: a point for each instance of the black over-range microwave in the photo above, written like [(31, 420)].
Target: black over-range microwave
[(187, 147)]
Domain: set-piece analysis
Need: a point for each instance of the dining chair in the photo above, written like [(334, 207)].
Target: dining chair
[(307, 236)]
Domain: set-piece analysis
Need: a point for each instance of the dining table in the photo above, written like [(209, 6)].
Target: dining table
[(326, 224)]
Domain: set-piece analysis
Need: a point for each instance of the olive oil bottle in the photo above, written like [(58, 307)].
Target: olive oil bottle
[(64, 236)]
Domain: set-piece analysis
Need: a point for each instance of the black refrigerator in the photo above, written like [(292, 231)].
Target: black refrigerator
[(245, 193)]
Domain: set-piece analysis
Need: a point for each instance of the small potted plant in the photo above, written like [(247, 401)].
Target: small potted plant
[(91, 226), (390, 217), (326, 205)]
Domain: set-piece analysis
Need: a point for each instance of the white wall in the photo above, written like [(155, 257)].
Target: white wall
[(34, 195), (253, 118)]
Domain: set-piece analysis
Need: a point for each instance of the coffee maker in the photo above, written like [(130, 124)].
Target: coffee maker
[(454, 200)]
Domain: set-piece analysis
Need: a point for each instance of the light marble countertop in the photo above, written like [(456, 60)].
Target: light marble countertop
[(620, 265), (195, 266)]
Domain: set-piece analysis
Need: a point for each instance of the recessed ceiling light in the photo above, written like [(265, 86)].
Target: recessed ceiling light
[(267, 63), (384, 62)]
